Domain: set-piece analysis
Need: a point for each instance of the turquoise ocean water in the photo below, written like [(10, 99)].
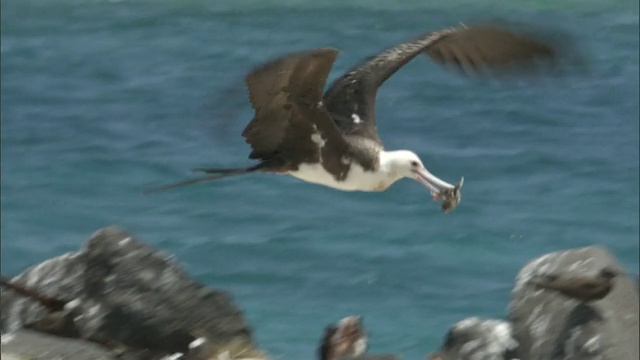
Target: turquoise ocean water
[(101, 99)]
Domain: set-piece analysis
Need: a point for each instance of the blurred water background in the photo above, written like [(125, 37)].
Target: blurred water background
[(102, 99)]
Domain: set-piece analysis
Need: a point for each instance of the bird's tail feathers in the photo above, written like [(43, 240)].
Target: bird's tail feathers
[(220, 171), (218, 174)]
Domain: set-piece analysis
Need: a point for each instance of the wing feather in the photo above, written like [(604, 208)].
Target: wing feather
[(471, 49), (276, 90)]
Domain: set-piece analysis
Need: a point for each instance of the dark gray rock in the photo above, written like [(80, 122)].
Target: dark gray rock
[(549, 325), (204, 349), (478, 339), (127, 295), (30, 345)]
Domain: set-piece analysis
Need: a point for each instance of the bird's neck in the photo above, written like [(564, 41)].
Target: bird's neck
[(388, 164)]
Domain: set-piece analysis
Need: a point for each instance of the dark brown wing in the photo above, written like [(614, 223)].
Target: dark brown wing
[(479, 47), (276, 90), (351, 98)]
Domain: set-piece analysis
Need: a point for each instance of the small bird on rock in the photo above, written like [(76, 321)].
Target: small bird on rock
[(347, 340), (48, 302), (582, 288)]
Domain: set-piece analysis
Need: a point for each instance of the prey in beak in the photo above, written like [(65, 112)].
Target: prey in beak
[(440, 189)]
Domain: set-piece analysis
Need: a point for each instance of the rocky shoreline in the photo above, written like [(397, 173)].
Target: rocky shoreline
[(123, 299)]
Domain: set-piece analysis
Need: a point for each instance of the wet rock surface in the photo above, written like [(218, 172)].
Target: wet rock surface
[(478, 339), (128, 297), (26, 344), (550, 325), (118, 298), (547, 324)]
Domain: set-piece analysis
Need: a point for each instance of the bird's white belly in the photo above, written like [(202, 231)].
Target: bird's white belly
[(356, 180)]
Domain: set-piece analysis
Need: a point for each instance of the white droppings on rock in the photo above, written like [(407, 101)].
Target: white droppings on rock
[(356, 118), (93, 310), (174, 356), (541, 324), (147, 275), (539, 328), (124, 241), (593, 345), (534, 314), (72, 304), (529, 271), (197, 342), (502, 338), (543, 269), (580, 264), (14, 321), (486, 338), (317, 138), (6, 338), (471, 347), (99, 233), (571, 344), (466, 323)]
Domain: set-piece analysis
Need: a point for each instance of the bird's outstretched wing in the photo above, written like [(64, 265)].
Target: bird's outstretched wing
[(285, 93), (351, 98)]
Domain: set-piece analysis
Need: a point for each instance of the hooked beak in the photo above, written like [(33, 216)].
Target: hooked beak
[(451, 194), (432, 182)]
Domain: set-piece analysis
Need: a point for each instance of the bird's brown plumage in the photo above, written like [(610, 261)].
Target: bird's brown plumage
[(339, 341), (285, 93), (472, 49), (291, 110)]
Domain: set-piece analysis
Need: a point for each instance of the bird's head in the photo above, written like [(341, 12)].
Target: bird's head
[(406, 164), (609, 272), (345, 339)]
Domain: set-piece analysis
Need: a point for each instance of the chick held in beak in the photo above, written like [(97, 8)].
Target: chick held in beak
[(450, 194)]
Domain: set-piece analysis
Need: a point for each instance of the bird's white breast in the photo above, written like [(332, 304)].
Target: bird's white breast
[(357, 179)]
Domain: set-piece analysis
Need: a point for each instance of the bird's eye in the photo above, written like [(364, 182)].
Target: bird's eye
[(414, 164)]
